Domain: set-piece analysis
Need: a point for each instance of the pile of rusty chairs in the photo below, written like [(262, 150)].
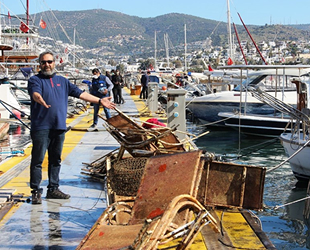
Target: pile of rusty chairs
[(164, 211)]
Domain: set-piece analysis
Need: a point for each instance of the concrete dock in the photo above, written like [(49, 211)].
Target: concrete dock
[(59, 224)]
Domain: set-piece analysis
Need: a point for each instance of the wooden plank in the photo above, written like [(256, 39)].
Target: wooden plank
[(257, 229)]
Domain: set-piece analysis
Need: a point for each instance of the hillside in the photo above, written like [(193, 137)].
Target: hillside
[(117, 33)]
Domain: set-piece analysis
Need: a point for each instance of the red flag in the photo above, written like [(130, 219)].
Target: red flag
[(66, 50), (23, 27), (42, 24), (61, 61), (210, 68), (230, 62), (9, 15)]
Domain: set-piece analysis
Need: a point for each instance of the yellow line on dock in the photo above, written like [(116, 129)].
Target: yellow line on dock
[(21, 182)]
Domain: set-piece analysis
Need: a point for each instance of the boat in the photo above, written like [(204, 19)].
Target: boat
[(296, 142), (257, 125), (19, 44), (270, 125), (269, 78), (297, 149)]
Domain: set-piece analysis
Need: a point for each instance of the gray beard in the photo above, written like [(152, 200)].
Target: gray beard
[(48, 73)]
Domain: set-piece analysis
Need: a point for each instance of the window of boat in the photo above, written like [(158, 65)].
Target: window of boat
[(251, 80), (154, 79), (268, 82)]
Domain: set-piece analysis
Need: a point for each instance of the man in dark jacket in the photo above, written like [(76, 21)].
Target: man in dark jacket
[(49, 101), (118, 81), (144, 83), (101, 87)]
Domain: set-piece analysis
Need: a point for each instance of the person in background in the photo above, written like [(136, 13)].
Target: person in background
[(117, 80), (108, 74), (49, 102), (101, 87), (145, 79)]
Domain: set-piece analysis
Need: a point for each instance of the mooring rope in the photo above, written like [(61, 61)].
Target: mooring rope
[(279, 165), (290, 203)]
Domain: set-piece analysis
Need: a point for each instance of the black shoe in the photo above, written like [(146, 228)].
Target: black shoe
[(93, 126), (56, 194), (36, 197)]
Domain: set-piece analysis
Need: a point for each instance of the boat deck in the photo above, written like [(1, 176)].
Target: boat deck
[(62, 224)]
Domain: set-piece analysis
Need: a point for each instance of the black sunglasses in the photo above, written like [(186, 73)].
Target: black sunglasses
[(47, 61)]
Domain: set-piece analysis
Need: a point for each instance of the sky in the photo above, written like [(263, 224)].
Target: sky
[(257, 12)]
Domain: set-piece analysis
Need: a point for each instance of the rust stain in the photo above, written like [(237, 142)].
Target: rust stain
[(155, 213), (162, 168)]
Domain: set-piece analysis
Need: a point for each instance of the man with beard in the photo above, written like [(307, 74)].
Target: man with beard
[(49, 101)]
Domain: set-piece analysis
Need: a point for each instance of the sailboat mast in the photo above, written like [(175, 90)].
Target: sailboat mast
[(230, 54), (155, 45), (257, 49), (185, 49), (167, 48), (27, 13), (244, 57), (73, 48)]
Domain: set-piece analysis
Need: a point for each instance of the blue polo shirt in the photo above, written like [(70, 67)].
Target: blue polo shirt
[(55, 91)]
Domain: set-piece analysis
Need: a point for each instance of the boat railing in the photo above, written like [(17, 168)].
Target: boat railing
[(15, 30), (301, 117)]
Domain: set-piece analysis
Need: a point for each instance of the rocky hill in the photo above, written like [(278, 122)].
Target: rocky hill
[(117, 33)]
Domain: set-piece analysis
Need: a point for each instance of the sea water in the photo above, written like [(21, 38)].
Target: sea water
[(284, 224)]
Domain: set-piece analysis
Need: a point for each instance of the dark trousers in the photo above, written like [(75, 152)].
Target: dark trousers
[(117, 94), (52, 142), (144, 92)]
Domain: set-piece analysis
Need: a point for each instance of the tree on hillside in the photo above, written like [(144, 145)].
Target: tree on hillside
[(146, 64)]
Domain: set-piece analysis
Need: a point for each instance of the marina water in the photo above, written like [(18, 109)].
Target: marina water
[(285, 226)]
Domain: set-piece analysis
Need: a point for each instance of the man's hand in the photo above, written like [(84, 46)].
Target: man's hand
[(39, 99), (106, 102)]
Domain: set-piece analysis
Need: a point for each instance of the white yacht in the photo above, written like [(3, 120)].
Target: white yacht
[(271, 79)]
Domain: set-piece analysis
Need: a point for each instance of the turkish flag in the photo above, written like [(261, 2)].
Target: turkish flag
[(23, 27), (42, 24), (9, 15), (210, 68), (230, 62)]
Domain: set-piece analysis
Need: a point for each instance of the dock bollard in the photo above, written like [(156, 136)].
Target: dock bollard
[(176, 110), (152, 100)]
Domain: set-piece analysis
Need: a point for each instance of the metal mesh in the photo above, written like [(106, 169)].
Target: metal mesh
[(125, 175)]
